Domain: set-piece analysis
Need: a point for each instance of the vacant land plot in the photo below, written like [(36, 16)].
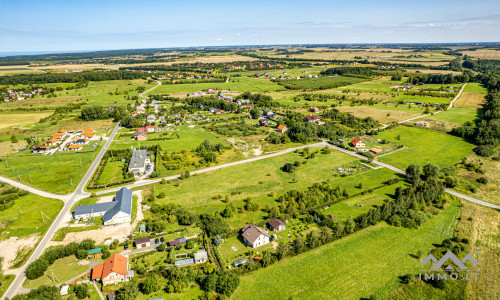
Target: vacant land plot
[(112, 172), (381, 115), (470, 101), (321, 83), (12, 119), (474, 87), (8, 147), (25, 218), (457, 115), (261, 179), (424, 146), (345, 269), (483, 54), (240, 84), (64, 269)]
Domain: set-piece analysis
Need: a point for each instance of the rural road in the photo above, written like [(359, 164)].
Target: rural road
[(68, 204), (142, 94), (80, 194), (449, 106)]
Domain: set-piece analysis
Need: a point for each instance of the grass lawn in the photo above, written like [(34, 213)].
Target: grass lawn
[(363, 264), (113, 171), (197, 191), (20, 225), (59, 173), (5, 281), (64, 268), (425, 146), (457, 115), (475, 87)]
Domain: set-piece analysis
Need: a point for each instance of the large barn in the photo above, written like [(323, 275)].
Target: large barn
[(116, 212)]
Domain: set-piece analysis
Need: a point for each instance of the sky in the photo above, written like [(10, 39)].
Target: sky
[(41, 25)]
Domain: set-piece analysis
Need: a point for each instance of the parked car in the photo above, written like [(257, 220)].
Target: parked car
[(125, 247), (157, 241), (162, 240)]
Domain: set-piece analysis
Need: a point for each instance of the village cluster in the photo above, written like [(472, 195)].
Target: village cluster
[(66, 140)]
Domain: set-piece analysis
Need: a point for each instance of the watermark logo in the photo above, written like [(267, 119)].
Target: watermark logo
[(449, 271)]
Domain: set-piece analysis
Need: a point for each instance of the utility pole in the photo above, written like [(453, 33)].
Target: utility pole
[(19, 176), (45, 216), (30, 176), (20, 210), (54, 276)]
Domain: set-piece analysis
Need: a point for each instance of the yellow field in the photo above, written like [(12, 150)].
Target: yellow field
[(8, 147), (15, 119), (381, 115), (470, 100), (483, 54)]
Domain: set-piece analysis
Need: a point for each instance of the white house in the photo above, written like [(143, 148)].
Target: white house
[(254, 236)]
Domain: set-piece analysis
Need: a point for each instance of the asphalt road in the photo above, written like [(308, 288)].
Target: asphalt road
[(68, 204)]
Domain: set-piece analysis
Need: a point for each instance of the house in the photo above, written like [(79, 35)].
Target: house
[(254, 236), (115, 212), (112, 271), (150, 129), (140, 135), (138, 162), (94, 253), (74, 147), (200, 257), (177, 242), (41, 149), (268, 114), (81, 142), (141, 129), (263, 122), (90, 130), (282, 128), (64, 290), (311, 119), (375, 150), (142, 243), (313, 109), (276, 225), (358, 143), (151, 118), (52, 141)]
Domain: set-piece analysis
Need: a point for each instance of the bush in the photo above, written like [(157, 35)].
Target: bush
[(288, 167), (482, 180), (82, 291), (484, 150)]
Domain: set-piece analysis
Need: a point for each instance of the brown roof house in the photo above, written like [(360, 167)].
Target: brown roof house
[(142, 243), (276, 225), (113, 270), (254, 236), (282, 128), (311, 119), (358, 142), (375, 150), (140, 135)]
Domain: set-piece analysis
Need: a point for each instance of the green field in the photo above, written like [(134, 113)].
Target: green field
[(457, 115), (260, 178), (363, 264), (59, 173), (112, 172), (474, 87), (424, 146), (21, 225), (189, 139), (64, 268), (321, 83), (240, 84)]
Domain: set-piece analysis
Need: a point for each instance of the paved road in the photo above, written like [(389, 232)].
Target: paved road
[(73, 198)]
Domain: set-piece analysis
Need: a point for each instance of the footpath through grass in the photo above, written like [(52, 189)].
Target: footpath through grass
[(363, 264)]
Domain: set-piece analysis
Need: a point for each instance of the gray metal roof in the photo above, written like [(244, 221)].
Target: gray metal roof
[(123, 200), (94, 208), (138, 159)]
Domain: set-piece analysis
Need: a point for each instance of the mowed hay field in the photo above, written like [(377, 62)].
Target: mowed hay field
[(470, 101), (381, 115), (457, 115), (363, 264), (12, 119), (424, 146), (240, 84), (483, 54)]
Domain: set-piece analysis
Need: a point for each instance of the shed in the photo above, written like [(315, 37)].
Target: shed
[(142, 228), (93, 253), (142, 243), (240, 262)]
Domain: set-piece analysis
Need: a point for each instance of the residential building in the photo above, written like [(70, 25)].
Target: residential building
[(254, 236), (263, 122), (177, 242), (200, 257), (140, 135), (138, 162), (74, 147), (358, 143), (311, 119), (142, 243), (282, 128), (276, 225), (112, 271)]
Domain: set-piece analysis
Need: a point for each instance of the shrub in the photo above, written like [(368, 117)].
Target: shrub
[(482, 180), (288, 167), (484, 150)]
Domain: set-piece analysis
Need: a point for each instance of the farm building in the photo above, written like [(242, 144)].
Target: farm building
[(282, 128), (254, 236), (358, 143), (93, 253), (276, 225), (375, 150), (112, 271), (142, 243), (138, 162), (114, 212)]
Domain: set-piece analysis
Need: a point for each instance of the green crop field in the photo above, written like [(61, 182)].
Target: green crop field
[(425, 146), (457, 115), (240, 84), (13, 223), (260, 178), (59, 173), (474, 87), (358, 266), (189, 139), (321, 83)]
